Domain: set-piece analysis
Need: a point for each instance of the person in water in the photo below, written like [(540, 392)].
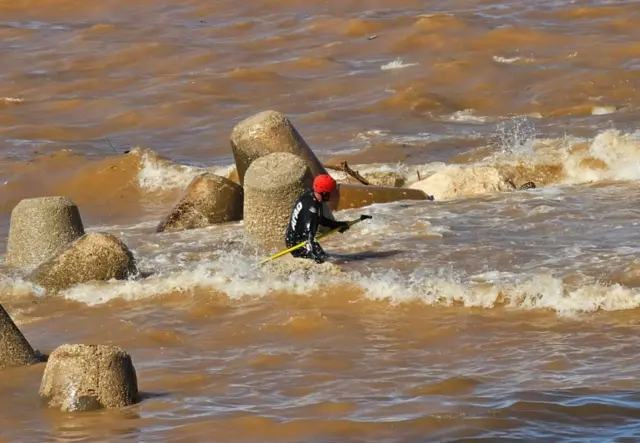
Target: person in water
[(307, 215)]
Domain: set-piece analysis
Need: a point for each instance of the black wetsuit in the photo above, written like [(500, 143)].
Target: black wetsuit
[(306, 216)]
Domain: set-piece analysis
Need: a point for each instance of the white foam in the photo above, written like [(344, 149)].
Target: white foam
[(500, 59), (534, 292), (150, 224), (158, 173), (621, 152), (397, 64), (14, 287), (419, 139), (548, 292), (162, 175), (466, 116), (618, 153), (11, 100), (222, 170), (237, 277), (234, 275), (603, 110), (610, 155), (511, 60), (455, 181), (372, 133)]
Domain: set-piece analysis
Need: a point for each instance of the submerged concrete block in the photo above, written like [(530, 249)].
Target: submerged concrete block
[(209, 199), (80, 377), (15, 350), (40, 228), (96, 256), (357, 196)]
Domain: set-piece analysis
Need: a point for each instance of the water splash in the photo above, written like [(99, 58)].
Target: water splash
[(516, 135), (236, 277), (158, 173)]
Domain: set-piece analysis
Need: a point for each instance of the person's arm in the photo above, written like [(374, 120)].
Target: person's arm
[(331, 224)]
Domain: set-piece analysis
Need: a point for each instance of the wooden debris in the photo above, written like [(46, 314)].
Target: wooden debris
[(344, 167)]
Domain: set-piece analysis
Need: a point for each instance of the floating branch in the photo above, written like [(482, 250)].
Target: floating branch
[(344, 167)]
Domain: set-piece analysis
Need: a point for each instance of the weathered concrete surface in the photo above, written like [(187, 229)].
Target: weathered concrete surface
[(40, 228), (80, 377), (15, 350), (96, 256), (209, 199), (272, 185), (265, 133)]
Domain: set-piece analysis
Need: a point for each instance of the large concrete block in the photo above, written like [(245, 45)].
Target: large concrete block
[(15, 350), (265, 133), (82, 377), (96, 256), (358, 196), (268, 132), (209, 199), (40, 228), (272, 185)]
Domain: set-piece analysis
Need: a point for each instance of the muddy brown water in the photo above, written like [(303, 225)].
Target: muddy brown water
[(481, 316)]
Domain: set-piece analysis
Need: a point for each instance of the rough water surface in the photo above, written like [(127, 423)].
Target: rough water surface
[(490, 314)]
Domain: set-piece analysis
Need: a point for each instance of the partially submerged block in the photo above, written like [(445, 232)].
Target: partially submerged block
[(209, 199), (96, 256), (80, 377), (40, 228), (357, 196), (15, 350)]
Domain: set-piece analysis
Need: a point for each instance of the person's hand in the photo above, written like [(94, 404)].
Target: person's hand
[(344, 228)]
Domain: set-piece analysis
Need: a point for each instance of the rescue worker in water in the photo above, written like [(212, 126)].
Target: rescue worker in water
[(307, 215)]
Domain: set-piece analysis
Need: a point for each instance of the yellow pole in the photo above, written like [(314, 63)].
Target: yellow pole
[(299, 245)]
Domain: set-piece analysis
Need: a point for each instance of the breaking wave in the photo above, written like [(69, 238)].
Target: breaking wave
[(516, 158), (237, 277)]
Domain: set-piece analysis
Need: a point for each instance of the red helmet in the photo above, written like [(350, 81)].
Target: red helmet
[(324, 183)]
